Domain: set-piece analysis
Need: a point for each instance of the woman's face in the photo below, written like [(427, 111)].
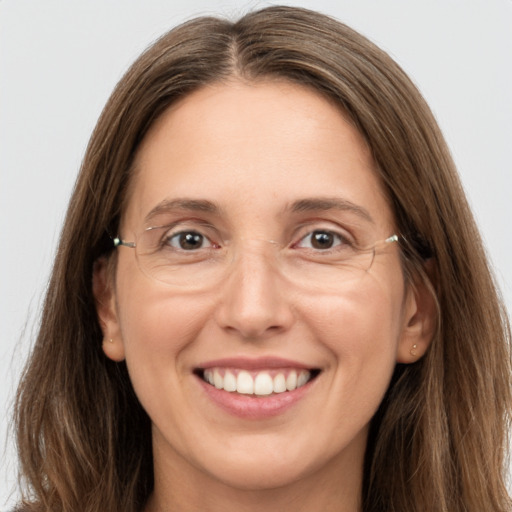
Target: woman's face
[(263, 187)]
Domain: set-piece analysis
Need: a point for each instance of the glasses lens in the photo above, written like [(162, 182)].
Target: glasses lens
[(190, 262)]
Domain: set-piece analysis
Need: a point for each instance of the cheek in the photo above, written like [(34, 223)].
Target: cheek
[(359, 320), (361, 328), (156, 326)]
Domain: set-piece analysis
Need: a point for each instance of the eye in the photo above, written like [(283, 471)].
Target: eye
[(321, 239), (188, 241)]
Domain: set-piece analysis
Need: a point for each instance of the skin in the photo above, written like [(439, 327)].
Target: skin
[(252, 149)]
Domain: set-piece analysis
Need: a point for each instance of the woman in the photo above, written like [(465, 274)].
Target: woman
[(269, 292)]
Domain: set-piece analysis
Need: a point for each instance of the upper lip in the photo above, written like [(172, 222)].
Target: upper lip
[(260, 363)]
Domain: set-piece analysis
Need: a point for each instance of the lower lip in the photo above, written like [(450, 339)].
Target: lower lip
[(252, 406)]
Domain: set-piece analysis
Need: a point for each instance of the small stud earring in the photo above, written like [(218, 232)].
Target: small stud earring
[(413, 350)]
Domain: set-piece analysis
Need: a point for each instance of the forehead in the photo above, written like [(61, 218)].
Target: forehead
[(254, 147)]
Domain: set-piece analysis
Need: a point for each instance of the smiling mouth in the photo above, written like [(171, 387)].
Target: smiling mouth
[(259, 383)]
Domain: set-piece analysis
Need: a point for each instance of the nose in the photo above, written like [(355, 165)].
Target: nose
[(254, 299)]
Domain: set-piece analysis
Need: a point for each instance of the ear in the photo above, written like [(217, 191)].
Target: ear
[(419, 321), (105, 299)]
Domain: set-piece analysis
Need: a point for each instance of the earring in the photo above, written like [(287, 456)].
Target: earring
[(413, 350), (110, 340)]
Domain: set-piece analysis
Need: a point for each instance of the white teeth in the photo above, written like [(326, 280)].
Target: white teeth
[(256, 383), (218, 381), (229, 382), (263, 384), (244, 383), (302, 379), (291, 381), (279, 383)]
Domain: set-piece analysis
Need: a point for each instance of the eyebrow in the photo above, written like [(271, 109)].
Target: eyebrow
[(329, 203), (194, 205), (299, 206)]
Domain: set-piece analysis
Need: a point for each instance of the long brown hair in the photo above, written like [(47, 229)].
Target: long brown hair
[(439, 438)]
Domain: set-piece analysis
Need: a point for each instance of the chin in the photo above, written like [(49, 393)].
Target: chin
[(257, 464), (257, 476)]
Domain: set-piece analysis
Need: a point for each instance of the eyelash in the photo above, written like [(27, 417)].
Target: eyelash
[(168, 238), (342, 240), (338, 238)]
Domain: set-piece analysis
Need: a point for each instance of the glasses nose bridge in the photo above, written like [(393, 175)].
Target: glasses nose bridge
[(255, 252)]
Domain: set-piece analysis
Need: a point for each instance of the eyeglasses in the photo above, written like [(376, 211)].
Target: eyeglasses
[(190, 260)]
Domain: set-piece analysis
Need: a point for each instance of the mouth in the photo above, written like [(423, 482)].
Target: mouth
[(258, 383)]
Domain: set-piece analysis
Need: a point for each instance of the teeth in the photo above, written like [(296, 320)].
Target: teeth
[(261, 383), (244, 383), (279, 383), (291, 381), (302, 379), (230, 383), (218, 381)]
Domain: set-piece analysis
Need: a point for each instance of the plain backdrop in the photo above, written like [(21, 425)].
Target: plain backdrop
[(60, 59)]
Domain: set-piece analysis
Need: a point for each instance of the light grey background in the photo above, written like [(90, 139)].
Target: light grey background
[(60, 59)]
